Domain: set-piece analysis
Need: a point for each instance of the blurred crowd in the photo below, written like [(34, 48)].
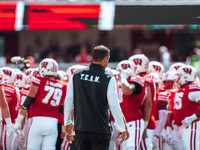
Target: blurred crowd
[(75, 52), (81, 53)]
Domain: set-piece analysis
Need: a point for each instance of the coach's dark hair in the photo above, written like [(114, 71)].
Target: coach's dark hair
[(100, 52)]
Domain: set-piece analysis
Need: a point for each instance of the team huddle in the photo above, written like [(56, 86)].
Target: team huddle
[(161, 108)]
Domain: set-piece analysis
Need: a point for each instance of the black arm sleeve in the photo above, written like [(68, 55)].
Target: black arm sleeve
[(137, 88), (61, 110), (27, 103)]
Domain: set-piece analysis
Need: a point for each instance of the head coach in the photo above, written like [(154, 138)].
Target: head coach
[(92, 94)]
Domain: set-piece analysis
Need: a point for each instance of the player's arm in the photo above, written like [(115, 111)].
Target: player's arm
[(4, 106), (26, 105), (162, 110), (147, 106), (129, 88), (192, 96), (169, 114)]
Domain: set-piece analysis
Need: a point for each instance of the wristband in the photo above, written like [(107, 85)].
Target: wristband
[(27, 103), (145, 124)]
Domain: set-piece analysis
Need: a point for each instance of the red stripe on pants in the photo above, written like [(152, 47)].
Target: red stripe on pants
[(195, 131), (136, 135), (191, 136)]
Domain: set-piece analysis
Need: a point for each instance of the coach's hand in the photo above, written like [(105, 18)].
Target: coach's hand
[(69, 134), (127, 134), (121, 136)]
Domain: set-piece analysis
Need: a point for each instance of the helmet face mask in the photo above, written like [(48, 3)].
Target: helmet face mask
[(169, 84), (170, 79), (48, 67)]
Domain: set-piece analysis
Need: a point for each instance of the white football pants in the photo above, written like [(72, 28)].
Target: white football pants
[(136, 129), (42, 134)]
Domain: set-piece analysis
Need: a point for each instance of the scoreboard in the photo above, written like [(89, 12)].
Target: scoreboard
[(33, 16), (62, 17)]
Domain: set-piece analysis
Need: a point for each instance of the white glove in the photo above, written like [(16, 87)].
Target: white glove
[(9, 126), (124, 74), (169, 140), (17, 127), (21, 139), (155, 140), (9, 129), (168, 136), (18, 121), (188, 120)]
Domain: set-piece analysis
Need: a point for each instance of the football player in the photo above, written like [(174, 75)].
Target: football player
[(134, 97), (159, 112), (170, 86), (142, 63), (114, 144), (46, 96), (186, 109), (4, 108), (61, 75), (69, 73), (12, 97)]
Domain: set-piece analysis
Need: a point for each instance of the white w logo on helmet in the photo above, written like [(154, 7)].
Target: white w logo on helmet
[(187, 70), (126, 66), (137, 61), (157, 68)]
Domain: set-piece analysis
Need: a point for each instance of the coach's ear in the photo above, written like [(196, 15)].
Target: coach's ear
[(105, 61)]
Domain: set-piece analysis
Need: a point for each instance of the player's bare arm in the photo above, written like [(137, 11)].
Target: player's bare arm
[(147, 106), (25, 107), (4, 104), (127, 88)]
